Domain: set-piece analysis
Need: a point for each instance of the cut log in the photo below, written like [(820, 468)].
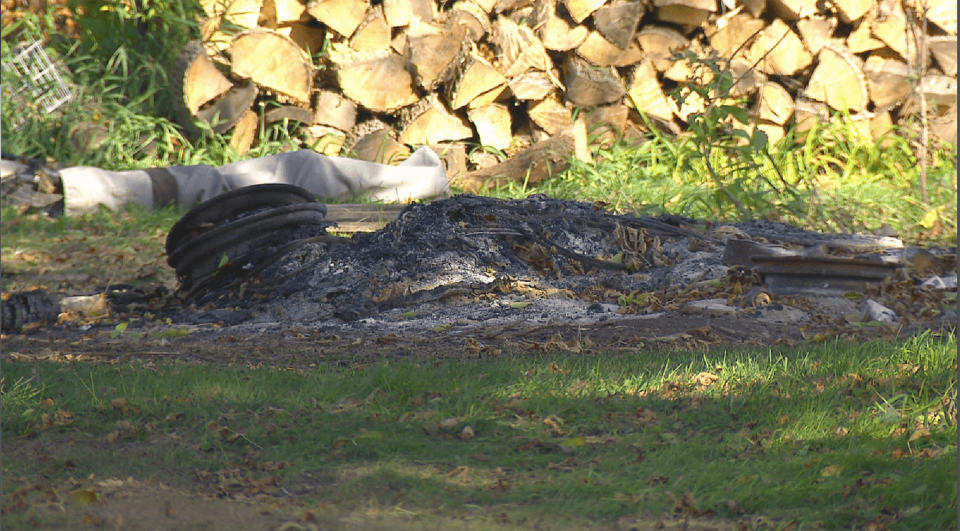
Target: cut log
[(940, 92), (687, 17), (618, 23), (755, 7), (774, 132), (792, 9), (202, 82), (733, 33), (379, 146), (325, 140), (493, 125), (289, 113), (454, 157), (280, 12), (838, 80), (601, 52), (646, 95), (747, 78), (815, 32), (774, 104), (531, 86), (944, 50), (238, 13), (334, 110), (229, 108), (851, 11), (274, 62), (531, 166), (475, 80), (556, 33), (660, 45), (519, 49), (691, 103), (889, 81), (402, 12), (432, 125), (944, 127), (434, 55), (778, 50), (551, 115), (942, 13), (244, 132), (589, 85), (342, 16), (581, 9), (373, 33), (890, 26), (471, 16), (691, 71), (861, 38), (380, 83), (605, 124), (881, 124)]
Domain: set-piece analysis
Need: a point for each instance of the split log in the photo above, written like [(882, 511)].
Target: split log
[(755, 7), (851, 11), (472, 17), (274, 62), (380, 83), (601, 52), (531, 166), (200, 80), (686, 13), (944, 50), (605, 124), (690, 103), (589, 85), (429, 122), (434, 55), (334, 110), (660, 44), (861, 38), (402, 12), (454, 157), (554, 32), (531, 86), (747, 78), (792, 9), (493, 125), (581, 9), (519, 49), (551, 115), (889, 81), (815, 32), (323, 139), (944, 127), (808, 114), (691, 71), (289, 113), (238, 13), (229, 108), (777, 50), (475, 82), (890, 26), (379, 146), (774, 104), (943, 13), (774, 132), (733, 33), (342, 16), (618, 23), (244, 132), (373, 33), (939, 91), (281, 12), (647, 96), (880, 124), (838, 80)]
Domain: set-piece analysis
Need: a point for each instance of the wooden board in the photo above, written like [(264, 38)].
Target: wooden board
[(342, 16), (618, 23), (589, 85), (838, 80), (493, 125), (274, 62)]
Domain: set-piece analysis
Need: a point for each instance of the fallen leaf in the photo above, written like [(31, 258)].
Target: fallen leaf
[(830, 471), (466, 433), (842, 432), (704, 379), (85, 496), (920, 433), (120, 405)]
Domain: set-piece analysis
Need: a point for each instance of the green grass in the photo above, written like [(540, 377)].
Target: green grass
[(837, 435)]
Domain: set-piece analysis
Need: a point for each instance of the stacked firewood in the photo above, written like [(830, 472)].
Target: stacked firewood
[(373, 79)]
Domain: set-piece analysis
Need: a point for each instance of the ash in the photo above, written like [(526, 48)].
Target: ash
[(473, 259)]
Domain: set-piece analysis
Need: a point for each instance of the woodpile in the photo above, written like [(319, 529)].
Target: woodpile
[(472, 78)]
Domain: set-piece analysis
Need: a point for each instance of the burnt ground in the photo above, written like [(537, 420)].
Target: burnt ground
[(473, 277)]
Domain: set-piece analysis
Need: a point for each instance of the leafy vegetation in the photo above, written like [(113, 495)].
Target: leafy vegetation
[(838, 435)]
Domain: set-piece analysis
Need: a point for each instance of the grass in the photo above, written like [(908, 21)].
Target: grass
[(838, 435)]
